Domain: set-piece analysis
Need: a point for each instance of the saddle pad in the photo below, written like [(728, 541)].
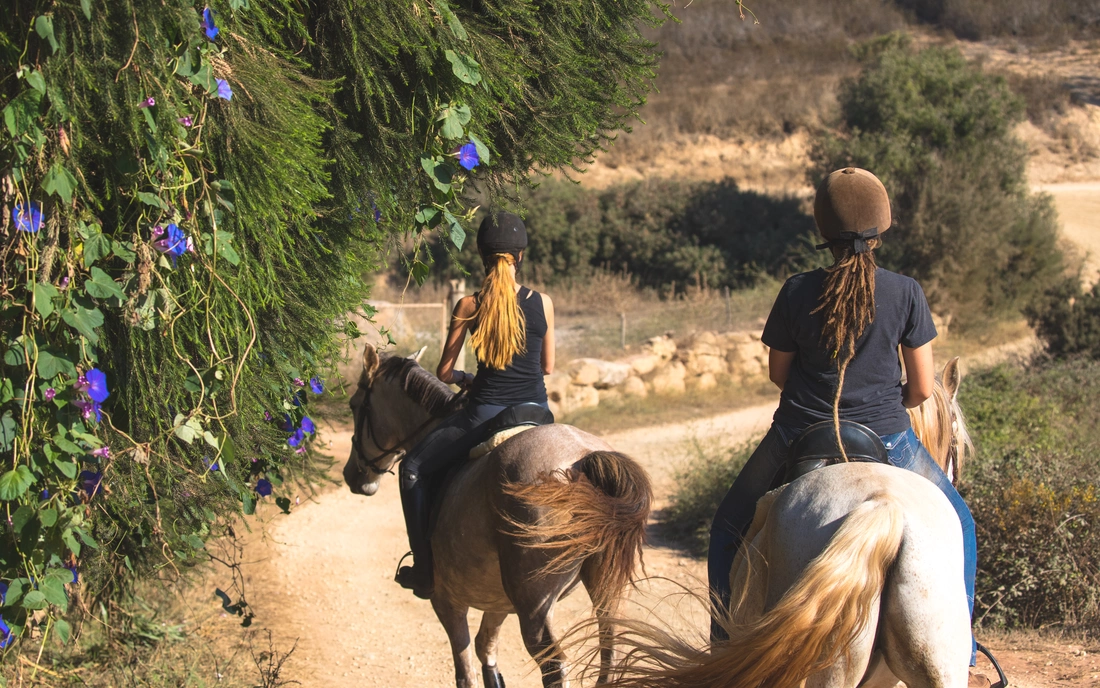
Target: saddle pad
[(497, 439)]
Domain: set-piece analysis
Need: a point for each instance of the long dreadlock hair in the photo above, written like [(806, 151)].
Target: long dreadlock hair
[(848, 304)]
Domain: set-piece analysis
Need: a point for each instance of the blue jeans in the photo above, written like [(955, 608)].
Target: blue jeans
[(735, 513)]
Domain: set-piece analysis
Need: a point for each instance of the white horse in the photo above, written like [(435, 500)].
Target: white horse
[(850, 576)]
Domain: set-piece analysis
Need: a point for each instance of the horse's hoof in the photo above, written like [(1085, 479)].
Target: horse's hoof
[(491, 676)]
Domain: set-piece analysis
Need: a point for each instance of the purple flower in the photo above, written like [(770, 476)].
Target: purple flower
[(288, 423), (300, 450), (88, 409), (268, 417), (45, 496), (50, 393), (175, 244), (224, 90), (81, 384), (3, 593), (65, 282), (208, 24), (27, 218), (298, 398), (297, 438), (76, 576), (308, 426), (316, 385), (148, 102), (263, 487), (467, 156), (6, 637), (298, 382), (185, 121), (97, 385), (90, 482), (210, 466), (377, 212), (158, 231), (102, 453)]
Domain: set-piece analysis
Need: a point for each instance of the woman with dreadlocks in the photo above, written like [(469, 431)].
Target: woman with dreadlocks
[(833, 335), (512, 337)]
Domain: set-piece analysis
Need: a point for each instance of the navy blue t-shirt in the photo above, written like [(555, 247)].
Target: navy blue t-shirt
[(872, 382)]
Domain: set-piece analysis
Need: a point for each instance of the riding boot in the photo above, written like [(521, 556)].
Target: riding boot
[(416, 504)]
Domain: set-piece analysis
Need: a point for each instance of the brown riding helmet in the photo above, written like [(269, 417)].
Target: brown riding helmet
[(851, 205)]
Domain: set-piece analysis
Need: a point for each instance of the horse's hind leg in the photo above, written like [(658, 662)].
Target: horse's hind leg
[(604, 613), (485, 644), (453, 618)]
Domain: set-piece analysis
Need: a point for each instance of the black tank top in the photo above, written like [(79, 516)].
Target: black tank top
[(521, 381)]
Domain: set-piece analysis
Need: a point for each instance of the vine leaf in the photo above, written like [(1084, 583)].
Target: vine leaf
[(83, 319), (14, 483), (464, 67), (482, 150), (457, 233), (21, 113), (51, 364), (60, 181), (454, 118), (36, 81), (452, 21), (64, 631), (101, 286), (440, 172), (151, 199), (427, 216), (7, 438), (44, 26), (44, 294)]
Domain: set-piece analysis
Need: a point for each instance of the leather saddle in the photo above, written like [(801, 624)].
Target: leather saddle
[(816, 447), (509, 422)]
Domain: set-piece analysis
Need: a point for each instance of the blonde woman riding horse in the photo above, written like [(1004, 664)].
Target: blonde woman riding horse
[(516, 529)]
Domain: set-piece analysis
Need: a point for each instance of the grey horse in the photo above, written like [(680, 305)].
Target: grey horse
[(517, 529)]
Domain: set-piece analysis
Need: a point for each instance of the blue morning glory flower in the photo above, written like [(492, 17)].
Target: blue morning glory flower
[(27, 218), (97, 385), (45, 496), (263, 487), (90, 482), (377, 212), (224, 90), (308, 426), (297, 438), (316, 385), (210, 466), (298, 398), (467, 156), (6, 637), (76, 576), (3, 593), (174, 244), (288, 423), (208, 24)]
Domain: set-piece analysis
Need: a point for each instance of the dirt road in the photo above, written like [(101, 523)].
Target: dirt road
[(1079, 210)]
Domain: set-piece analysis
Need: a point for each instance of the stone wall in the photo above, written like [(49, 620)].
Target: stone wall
[(665, 367)]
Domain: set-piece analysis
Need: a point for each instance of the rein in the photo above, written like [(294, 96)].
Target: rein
[(363, 418)]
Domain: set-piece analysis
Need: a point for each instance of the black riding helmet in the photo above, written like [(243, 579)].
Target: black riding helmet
[(501, 233)]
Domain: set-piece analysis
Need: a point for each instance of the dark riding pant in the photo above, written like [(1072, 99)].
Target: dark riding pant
[(764, 468)]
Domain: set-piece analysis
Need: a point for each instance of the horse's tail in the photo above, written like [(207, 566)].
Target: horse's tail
[(595, 514), (811, 627)]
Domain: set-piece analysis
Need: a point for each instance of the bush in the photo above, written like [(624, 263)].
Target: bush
[(1034, 493), (938, 132), (980, 19), (663, 233), (1068, 321), (700, 487)]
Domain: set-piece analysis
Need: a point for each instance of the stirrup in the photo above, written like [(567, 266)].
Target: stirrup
[(1002, 680)]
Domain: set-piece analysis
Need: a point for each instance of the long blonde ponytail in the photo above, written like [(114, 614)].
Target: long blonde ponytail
[(501, 332)]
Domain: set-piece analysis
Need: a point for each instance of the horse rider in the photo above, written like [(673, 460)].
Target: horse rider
[(833, 335), (511, 332)]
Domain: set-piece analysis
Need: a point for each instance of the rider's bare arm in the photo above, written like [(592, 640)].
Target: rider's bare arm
[(779, 366), (548, 339), (460, 322), (920, 375)]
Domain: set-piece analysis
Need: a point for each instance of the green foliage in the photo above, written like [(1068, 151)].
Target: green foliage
[(1034, 494), (1068, 320), (267, 165), (980, 19), (700, 487), (938, 132), (661, 232)]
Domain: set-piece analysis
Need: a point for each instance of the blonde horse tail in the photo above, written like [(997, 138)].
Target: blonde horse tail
[(594, 515), (811, 627)]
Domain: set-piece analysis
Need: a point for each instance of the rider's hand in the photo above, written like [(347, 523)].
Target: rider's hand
[(465, 381)]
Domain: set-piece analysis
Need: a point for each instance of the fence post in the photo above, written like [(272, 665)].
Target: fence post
[(458, 290), (622, 330)]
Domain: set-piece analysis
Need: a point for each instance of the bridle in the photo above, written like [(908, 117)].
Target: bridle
[(363, 422)]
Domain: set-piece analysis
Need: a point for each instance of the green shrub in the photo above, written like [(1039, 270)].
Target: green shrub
[(700, 487), (938, 132), (1068, 321), (1034, 493), (662, 232)]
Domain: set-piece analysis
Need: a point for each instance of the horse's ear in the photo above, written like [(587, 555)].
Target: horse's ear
[(370, 361), (952, 377), (418, 354)]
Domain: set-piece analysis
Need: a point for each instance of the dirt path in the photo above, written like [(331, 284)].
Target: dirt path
[(1078, 206)]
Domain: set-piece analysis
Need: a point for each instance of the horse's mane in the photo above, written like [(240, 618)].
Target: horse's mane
[(422, 387), (932, 424)]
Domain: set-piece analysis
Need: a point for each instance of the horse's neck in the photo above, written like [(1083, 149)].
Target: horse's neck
[(404, 416)]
